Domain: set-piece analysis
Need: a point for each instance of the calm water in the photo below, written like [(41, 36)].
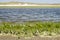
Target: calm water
[(29, 14)]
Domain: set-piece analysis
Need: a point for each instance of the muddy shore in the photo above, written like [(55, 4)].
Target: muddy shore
[(33, 38)]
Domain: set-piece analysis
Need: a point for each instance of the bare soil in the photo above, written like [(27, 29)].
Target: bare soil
[(33, 38)]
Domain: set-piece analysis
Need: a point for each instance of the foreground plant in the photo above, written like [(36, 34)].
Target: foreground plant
[(29, 29)]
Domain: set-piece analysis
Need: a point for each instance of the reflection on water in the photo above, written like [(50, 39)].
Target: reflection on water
[(28, 14)]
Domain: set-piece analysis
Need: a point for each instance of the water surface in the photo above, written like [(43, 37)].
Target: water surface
[(29, 14)]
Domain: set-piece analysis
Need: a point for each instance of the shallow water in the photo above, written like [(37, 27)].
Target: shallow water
[(29, 14)]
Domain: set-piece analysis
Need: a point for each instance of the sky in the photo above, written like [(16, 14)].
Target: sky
[(34, 1)]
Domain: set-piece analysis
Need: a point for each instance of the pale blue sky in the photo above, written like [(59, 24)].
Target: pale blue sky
[(34, 1)]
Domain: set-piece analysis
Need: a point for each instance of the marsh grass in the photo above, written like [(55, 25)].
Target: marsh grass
[(29, 29)]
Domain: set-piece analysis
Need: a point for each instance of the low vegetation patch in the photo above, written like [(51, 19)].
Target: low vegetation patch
[(29, 29)]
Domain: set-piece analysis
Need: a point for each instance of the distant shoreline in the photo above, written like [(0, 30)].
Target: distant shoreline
[(42, 6), (29, 6)]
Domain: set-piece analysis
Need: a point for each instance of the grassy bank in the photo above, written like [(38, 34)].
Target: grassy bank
[(29, 29), (57, 6)]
